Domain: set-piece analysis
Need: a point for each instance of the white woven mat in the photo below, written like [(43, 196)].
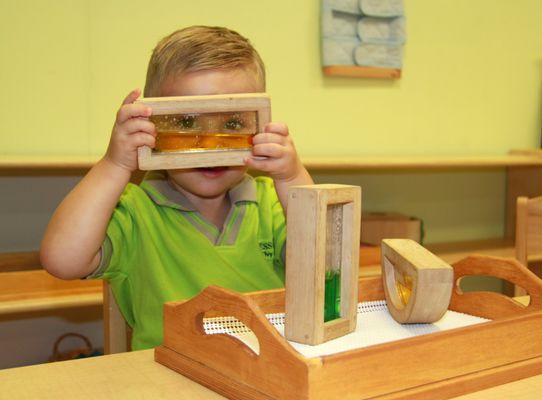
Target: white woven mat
[(375, 325)]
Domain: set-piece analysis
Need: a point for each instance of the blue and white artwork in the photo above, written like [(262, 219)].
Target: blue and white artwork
[(368, 33)]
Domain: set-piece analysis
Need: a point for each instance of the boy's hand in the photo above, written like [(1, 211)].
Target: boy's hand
[(132, 129), (273, 152)]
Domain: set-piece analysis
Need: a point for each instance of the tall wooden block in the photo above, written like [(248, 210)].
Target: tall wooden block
[(204, 131), (418, 285), (322, 238)]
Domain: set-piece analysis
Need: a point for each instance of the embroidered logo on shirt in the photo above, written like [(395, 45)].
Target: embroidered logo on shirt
[(267, 249)]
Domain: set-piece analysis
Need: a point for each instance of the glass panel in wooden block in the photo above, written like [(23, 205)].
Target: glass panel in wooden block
[(400, 285), (403, 283), (334, 233), (202, 132)]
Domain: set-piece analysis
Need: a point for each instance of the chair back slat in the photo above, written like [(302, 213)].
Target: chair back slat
[(528, 231), (116, 331), (534, 234)]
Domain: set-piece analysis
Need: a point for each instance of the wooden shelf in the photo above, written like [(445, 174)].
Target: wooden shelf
[(26, 287), (29, 291), (449, 252), (525, 158), (455, 251), (23, 290), (420, 162), (21, 261), (32, 163), (354, 71)]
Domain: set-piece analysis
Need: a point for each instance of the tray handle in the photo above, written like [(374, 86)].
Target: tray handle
[(489, 304), (184, 333)]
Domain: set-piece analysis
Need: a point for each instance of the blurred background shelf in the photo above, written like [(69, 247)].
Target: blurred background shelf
[(421, 162), (516, 158), (25, 287), (450, 252), (30, 291), (40, 162)]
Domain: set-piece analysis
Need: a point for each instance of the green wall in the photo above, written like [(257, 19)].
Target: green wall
[(471, 85)]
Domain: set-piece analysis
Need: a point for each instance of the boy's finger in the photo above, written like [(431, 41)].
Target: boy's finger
[(132, 96), (142, 139), (259, 163), (138, 125), (277, 127), (261, 138), (271, 150), (128, 111)]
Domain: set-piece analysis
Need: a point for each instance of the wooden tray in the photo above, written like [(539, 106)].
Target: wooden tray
[(434, 366)]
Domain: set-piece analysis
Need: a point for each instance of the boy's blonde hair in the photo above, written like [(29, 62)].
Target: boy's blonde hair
[(200, 48)]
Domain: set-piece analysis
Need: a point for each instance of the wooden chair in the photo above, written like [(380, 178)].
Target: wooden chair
[(117, 333), (528, 232)]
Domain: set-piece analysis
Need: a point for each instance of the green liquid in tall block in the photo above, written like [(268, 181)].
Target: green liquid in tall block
[(332, 295)]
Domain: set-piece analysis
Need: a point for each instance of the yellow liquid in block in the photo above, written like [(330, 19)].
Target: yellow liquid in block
[(404, 289), (169, 141)]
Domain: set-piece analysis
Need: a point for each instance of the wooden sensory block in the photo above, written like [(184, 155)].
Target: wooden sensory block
[(418, 284), (204, 131), (323, 231)]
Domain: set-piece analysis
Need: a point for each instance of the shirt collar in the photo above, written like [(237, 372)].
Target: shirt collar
[(158, 188)]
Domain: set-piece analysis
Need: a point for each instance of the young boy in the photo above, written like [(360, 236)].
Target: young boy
[(180, 230)]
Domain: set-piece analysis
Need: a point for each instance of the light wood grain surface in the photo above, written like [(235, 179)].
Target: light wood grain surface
[(119, 376), (136, 376)]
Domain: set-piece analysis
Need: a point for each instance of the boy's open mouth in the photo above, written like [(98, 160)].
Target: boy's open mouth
[(212, 171)]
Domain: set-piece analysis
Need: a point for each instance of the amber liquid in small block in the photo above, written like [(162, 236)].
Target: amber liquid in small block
[(332, 295), (404, 289), (169, 141)]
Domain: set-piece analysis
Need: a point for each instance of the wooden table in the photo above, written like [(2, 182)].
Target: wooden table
[(135, 375)]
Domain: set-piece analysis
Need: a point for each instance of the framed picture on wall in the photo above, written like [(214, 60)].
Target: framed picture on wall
[(363, 38)]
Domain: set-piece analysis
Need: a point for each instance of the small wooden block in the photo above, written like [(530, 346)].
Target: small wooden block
[(418, 284), (323, 230), (228, 103)]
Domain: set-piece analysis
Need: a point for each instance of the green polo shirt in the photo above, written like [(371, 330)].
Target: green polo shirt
[(159, 248)]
